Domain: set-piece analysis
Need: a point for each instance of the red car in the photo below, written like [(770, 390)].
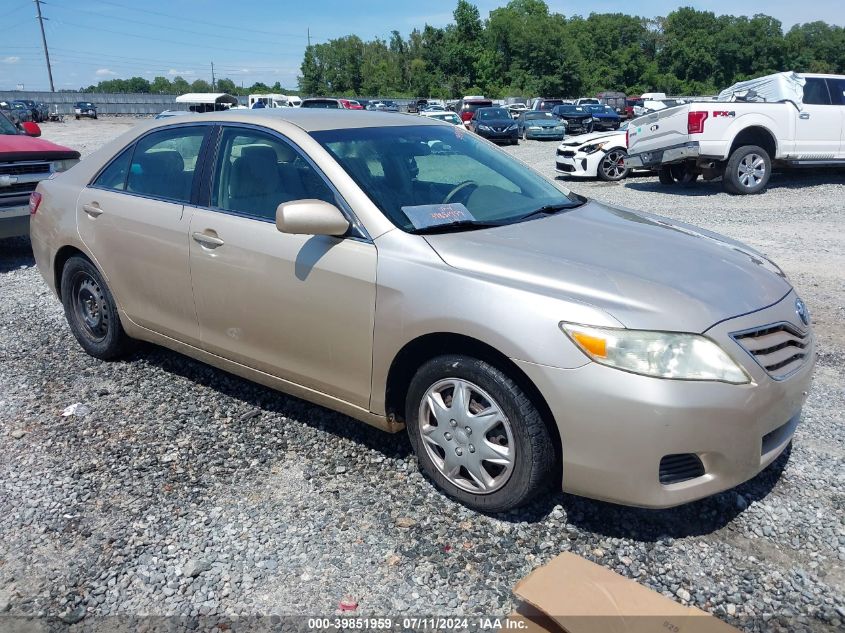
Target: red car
[(630, 102), (24, 161), (351, 104)]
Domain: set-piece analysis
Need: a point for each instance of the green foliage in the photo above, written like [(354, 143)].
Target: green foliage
[(524, 49)]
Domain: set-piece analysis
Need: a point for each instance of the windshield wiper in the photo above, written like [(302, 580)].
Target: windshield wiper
[(459, 225), (549, 209)]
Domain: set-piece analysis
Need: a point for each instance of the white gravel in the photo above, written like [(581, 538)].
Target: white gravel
[(186, 491)]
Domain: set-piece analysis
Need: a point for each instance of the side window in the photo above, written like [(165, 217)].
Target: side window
[(256, 172), (114, 176), (815, 92), (163, 163), (837, 91)]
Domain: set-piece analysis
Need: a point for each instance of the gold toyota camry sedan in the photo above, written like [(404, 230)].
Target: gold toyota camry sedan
[(409, 274)]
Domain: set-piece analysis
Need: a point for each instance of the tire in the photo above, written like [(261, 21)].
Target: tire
[(748, 170), (612, 167), (665, 175), (682, 175), (76, 116), (516, 425), (91, 311)]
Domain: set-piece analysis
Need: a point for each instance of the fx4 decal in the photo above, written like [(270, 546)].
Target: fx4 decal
[(726, 113)]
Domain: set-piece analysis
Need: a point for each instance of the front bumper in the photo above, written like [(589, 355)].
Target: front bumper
[(656, 158), (14, 221), (579, 164), (544, 132), (615, 426), (510, 135)]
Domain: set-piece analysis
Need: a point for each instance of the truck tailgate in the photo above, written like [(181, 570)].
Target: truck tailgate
[(658, 130)]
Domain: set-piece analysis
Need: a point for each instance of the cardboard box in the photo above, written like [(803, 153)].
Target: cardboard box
[(572, 595)]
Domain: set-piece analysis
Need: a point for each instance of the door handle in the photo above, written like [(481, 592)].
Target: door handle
[(207, 240), (92, 210), (804, 115)]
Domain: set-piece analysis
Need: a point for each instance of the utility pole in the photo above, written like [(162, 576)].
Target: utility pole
[(44, 41), (212, 76), (309, 36)]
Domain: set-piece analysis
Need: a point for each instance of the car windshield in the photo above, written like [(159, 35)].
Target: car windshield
[(6, 126), (569, 109), (84, 104), (330, 104), (490, 114), (601, 109), (533, 116), (406, 168)]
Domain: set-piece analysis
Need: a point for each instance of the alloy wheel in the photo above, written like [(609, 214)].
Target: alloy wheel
[(751, 170), (613, 165), (467, 435)]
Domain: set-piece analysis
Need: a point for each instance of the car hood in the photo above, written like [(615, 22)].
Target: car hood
[(581, 139), (647, 271), (542, 123), (496, 122), (574, 115), (21, 147)]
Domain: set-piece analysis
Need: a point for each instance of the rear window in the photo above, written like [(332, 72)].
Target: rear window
[(548, 104), (321, 103), (472, 106), (634, 102)]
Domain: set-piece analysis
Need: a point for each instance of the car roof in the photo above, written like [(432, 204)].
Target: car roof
[(311, 119)]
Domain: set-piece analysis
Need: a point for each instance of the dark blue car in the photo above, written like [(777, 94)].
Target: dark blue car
[(605, 117)]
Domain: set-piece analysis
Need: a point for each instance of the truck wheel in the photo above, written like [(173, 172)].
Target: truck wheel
[(748, 170), (477, 434), (665, 175), (683, 175)]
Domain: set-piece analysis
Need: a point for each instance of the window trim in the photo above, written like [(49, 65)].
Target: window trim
[(357, 231), (134, 145)]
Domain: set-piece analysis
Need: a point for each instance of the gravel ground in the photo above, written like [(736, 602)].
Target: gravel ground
[(177, 489)]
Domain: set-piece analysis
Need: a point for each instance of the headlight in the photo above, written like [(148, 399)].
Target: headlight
[(589, 119), (658, 354), (486, 128), (512, 127), (590, 149), (64, 165)]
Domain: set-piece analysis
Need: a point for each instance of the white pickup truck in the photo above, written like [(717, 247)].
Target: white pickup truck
[(800, 123)]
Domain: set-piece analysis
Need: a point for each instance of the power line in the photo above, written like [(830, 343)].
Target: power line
[(228, 27), (44, 41)]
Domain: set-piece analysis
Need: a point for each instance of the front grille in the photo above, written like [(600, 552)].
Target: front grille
[(16, 169), (680, 467), (780, 349)]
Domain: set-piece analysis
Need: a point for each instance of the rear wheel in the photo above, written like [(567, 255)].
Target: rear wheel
[(91, 311), (665, 175), (612, 167), (477, 434), (748, 170)]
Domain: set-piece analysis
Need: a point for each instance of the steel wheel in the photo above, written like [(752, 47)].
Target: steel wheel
[(612, 166), (90, 306), (751, 170), (467, 436)]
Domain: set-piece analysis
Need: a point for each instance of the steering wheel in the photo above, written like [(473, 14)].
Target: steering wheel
[(460, 187)]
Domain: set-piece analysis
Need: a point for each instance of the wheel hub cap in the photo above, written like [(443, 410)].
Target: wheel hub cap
[(467, 436)]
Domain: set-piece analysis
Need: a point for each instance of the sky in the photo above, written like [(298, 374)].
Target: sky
[(255, 40)]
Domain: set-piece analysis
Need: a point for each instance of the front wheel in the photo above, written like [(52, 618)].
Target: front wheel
[(748, 170), (91, 311), (612, 167), (477, 434)]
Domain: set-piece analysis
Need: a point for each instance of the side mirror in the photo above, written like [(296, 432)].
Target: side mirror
[(310, 217), (31, 129)]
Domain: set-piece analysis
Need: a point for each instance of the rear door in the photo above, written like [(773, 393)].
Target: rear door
[(818, 128), (132, 218), (836, 87)]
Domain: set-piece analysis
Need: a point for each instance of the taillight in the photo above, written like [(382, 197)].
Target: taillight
[(34, 201), (695, 121), (466, 116)]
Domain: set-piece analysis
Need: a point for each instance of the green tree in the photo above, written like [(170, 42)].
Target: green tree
[(161, 85)]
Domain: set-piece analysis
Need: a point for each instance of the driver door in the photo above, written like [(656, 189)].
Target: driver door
[(298, 307)]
